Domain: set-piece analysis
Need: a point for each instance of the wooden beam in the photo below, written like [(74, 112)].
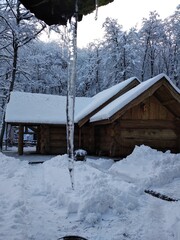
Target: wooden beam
[(168, 102), (144, 95), (172, 90), (20, 140), (120, 93), (147, 124)]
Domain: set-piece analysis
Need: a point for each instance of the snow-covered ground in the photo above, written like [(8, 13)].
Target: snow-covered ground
[(108, 203)]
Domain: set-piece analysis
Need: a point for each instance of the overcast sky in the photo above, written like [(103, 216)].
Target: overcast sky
[(128, 12)]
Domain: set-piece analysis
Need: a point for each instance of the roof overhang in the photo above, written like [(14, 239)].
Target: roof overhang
[(132, 82), (165, 92), (60, 11)]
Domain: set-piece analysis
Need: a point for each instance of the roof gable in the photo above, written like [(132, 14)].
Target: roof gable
[(103, 98), (133, 97)]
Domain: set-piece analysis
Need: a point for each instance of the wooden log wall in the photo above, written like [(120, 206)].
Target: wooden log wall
[(53, 139), (178, 134), (149, 109), (103, 140), (148, 123), (87, 139), (119, 139)]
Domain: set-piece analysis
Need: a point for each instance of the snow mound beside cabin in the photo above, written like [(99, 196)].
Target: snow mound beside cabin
[(148, 167)]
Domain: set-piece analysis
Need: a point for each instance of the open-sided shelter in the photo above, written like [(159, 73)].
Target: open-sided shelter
[(46, 114)]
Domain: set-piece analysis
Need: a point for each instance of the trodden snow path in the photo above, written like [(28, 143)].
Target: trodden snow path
[(13, 208), (42, 218), (26, 213)]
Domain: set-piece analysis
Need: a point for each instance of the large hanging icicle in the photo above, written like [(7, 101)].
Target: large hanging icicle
[(71, 92), (61, 12), (96, 9)]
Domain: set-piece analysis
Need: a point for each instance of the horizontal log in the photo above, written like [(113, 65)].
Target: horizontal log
[(147, 124), (58, 144), (166, 134), (57, 137), (57, 131), (57, 151), (58, 147), (152, 143)]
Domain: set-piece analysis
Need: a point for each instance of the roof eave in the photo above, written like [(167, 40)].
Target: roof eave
[(131, 85), (147, 93)]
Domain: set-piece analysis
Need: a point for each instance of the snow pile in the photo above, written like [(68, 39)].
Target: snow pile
[(109, 202), (148, 167)]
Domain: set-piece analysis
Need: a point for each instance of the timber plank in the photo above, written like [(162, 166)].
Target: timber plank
[(158, 144), (147, 124), (153, 134)]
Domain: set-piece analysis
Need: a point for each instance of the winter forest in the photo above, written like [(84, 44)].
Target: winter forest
[(31, 65)]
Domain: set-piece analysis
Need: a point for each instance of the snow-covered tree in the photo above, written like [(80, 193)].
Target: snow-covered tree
[(151, 38), (171, 50), (113, 55), (89, 71), (45, 66), (16, 32)]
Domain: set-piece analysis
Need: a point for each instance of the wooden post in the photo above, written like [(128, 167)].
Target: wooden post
[(6, 135), (38, 136), (20, 140), (178, 135), (91, 140), (80, 137)]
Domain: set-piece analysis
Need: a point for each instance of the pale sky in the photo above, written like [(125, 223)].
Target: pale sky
[(128, 12)]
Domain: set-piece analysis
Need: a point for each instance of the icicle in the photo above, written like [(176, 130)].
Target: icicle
[(96, 7), (49, 31), (71, 92), (65, 40)]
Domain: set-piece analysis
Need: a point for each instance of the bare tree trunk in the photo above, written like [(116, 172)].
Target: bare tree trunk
[(11, 86), (144, 60)]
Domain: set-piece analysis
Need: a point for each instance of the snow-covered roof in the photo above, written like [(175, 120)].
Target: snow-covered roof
[(40, 108), (102, 97), (51, 109), (116, 105)]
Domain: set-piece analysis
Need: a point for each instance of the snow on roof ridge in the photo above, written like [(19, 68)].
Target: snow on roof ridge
[(44, 94), (102, 97), (127, 97), (121, 85)]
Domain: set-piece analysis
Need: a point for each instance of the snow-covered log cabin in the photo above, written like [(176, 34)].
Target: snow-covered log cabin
[(111, 123)]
